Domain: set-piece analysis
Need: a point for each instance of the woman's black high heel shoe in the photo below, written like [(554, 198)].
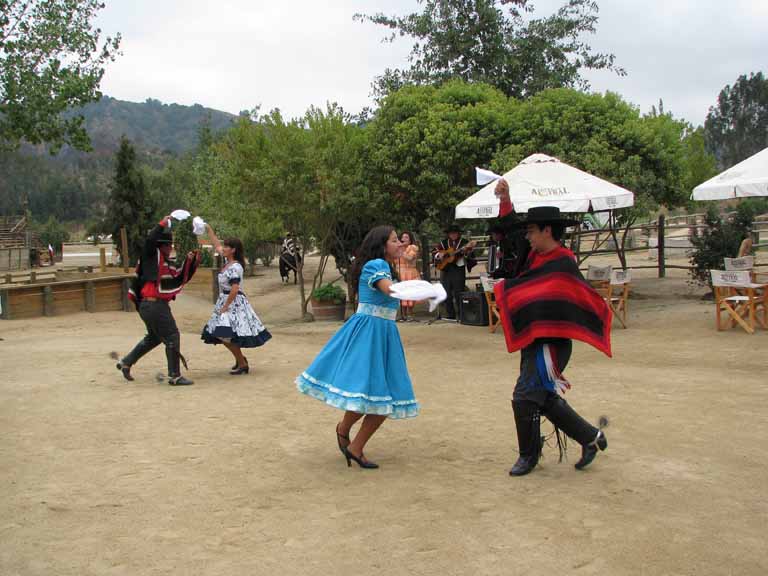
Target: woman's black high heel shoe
[(363, 462), (235, 367), (237, 370), (339, 438)]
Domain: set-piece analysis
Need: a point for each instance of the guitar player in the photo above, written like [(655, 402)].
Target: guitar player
[(454, 258)]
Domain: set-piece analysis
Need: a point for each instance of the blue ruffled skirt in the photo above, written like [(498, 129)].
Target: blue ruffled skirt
[(362, 368)]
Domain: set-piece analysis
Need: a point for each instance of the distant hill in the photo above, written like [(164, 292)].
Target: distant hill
[(71, 184), (151, 125)]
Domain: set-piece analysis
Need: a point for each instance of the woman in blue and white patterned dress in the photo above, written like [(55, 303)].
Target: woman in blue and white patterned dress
[(362, 369), (233, 322)]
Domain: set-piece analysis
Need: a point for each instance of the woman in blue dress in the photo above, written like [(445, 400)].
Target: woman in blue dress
[(362, 369)]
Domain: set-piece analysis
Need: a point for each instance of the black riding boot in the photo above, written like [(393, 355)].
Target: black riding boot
[(560, 413), (527, 422), (173, 356)]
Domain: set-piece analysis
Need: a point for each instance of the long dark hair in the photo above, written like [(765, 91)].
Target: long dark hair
[(236, 245), (374, 246)]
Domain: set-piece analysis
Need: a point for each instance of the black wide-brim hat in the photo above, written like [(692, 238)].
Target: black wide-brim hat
[(546, 215), (453, 228)]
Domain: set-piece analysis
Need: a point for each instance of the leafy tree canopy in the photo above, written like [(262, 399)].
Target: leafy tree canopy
[(51, 60), (497, 42), (737, 126)]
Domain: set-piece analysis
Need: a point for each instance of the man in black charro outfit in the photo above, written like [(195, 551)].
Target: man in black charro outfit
[(158, 280)]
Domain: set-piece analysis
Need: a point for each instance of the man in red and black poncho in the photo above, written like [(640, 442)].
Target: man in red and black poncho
[(158, 280), (542, 309)]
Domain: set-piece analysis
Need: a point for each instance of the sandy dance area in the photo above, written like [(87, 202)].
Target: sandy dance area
[(241, 475)]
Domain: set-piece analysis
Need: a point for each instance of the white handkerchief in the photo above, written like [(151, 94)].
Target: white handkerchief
[(485, 176), (198, 226), (419, 290), (180, 214)]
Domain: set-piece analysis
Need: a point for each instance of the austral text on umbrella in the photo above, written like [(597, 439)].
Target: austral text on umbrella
[(560, 191)]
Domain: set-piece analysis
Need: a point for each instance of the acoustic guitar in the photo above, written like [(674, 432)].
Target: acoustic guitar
[(450, 255)]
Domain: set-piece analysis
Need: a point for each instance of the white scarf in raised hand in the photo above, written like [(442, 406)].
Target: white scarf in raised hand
[(419, 290)]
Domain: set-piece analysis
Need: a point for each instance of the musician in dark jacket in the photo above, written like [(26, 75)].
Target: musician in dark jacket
[(454, 275), (158, 280)]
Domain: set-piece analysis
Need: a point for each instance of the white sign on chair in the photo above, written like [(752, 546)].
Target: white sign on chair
[(743, 263)]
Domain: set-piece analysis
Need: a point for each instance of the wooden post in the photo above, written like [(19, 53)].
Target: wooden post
[(47, 301), (215, 285), (660, 235), (425, 256), (32, 277), (90, 296), (124, 252), (103, 259), (5, 311), (124, 296), (9, 278), (577, 242)]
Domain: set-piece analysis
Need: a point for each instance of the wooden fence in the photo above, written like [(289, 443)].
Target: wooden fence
[(67, 297), (658, 231), (14, 258)]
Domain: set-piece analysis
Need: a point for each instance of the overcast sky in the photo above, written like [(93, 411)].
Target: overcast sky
[(236, 54)]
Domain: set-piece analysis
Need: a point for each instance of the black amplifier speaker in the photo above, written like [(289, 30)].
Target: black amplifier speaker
[(474, 309)]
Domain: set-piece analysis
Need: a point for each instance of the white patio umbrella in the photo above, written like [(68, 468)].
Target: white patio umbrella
[(747, 178), (542, 180)]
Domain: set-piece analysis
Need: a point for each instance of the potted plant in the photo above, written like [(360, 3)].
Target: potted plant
[(329, 302)]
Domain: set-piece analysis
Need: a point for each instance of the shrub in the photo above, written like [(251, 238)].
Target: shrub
[(329, 293), (721, 239)]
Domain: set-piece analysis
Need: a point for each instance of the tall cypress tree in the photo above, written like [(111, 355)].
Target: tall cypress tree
[(129, 203)]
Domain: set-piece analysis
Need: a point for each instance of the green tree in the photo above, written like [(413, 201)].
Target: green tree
[(53, 233), (720, 239), (129, 204), (700, 164), (425, 142), (737, 126), (312, 179), (496, 42), (51, 60), (607, 137)]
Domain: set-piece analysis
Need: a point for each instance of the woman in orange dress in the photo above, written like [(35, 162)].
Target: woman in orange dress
[(406, 270)]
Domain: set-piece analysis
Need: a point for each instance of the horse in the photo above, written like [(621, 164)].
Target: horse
[(289, 262)]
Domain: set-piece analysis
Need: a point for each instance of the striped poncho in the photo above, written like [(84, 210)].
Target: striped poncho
[(551, 299)]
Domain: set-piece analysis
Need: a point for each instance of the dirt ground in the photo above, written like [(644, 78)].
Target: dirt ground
[(241, 475)]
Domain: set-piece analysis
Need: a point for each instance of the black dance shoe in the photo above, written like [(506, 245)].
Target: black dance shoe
[(589, 451), (524, 465), (126, 370), (235, 367), (363, 462), (339, 438), (237, 370), (180, 381)]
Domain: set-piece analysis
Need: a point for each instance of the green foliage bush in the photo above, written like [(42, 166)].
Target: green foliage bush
[(53, 233), (206, 259), (329, 293), (720, 240)]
